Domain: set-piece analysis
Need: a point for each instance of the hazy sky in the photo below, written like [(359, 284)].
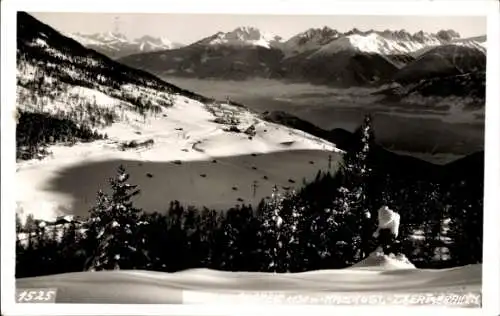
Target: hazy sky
[(187, 28)]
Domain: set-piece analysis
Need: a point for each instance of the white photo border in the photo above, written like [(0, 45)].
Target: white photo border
[(491, 247)]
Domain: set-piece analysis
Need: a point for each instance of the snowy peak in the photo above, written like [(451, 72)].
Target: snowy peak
[(116, 45), (109, 37), (242, 36), (148, 43), (311, 39), (447, 35), (319, 35)]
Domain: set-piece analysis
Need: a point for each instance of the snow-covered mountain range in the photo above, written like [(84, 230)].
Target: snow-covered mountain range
[(386, 42), (117, 45), (317, 55), (327, 40)]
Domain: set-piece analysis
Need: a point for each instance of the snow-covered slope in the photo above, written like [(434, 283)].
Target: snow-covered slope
[(55, 73), (242, 36), (58, 76), (325, 287), (66, 182), (117, 45)]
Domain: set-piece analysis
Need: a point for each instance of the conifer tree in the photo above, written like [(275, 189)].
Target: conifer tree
[(352, 206), (269, 232), (281, 228), (291, 232), (114, 224)]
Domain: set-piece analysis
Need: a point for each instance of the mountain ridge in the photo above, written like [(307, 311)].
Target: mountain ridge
[(317, 55), (310, 39), (321, 37)]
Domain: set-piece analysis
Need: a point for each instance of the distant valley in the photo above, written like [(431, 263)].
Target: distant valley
[(434, 132)]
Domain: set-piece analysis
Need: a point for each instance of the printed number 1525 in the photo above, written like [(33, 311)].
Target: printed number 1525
[(42, 295)]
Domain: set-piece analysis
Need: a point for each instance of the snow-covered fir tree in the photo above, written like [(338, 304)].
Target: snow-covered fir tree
[(351, 206), (291, 231), (269, 234), (280, 232), (113, 224)]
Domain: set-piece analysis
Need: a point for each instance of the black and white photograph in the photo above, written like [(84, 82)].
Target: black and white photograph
[(216, 158)]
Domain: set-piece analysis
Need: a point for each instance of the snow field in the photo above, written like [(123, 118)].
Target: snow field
[(67, 181), (386, 286)]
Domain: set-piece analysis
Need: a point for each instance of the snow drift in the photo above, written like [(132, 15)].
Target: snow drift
[(378, 260), (388, 286)]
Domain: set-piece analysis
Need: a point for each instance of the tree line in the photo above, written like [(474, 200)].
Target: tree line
[(35, 131), (326, 224)]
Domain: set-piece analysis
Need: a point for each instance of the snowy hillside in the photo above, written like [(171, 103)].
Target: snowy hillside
[(117, 45), (185, 132), (384, 282), (242, 36), (147, 121)]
